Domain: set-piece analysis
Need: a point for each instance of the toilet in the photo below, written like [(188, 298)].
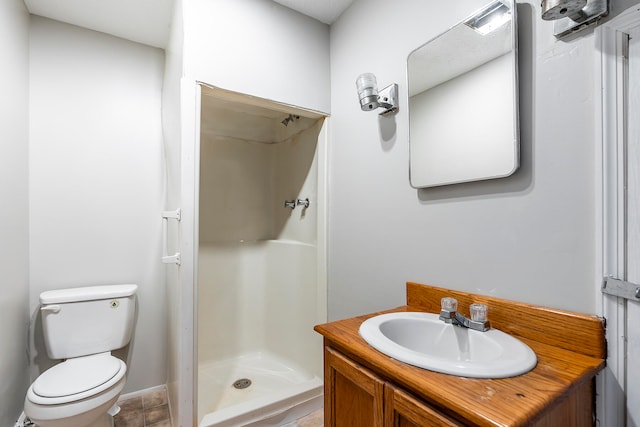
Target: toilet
[(82, 326)]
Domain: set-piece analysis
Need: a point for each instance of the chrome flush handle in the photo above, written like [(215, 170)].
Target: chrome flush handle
[(52, 308)]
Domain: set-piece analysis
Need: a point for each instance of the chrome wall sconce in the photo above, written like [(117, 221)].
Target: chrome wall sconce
[(371, 98), (571, 16)]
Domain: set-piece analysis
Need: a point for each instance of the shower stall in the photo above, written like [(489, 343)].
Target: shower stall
[(260, 278)]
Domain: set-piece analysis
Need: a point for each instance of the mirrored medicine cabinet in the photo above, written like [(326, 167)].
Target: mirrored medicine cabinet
[(463, 101)]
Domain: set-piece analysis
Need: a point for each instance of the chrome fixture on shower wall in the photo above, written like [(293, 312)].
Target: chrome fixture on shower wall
[(370, 98), (571, 16), (291, 204)]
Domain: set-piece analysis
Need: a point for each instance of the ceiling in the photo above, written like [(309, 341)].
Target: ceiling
[(148, 21), (143, 21), (326, 11)]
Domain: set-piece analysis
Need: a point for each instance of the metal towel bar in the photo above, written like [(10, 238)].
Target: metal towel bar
[(166, 216)]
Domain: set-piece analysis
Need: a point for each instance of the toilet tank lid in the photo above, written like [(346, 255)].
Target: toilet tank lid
[(88, 293)]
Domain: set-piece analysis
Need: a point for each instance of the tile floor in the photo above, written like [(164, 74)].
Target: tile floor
[(314, 419), (152, 410), (149, 410)]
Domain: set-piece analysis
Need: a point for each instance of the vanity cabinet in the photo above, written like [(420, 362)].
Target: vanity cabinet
[(404, 410), (356, 397), (366, 388)]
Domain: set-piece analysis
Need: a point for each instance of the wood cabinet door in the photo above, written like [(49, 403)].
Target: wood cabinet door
[(403, 410), (353, 395)]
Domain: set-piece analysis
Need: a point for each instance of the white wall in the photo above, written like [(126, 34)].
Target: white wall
[(255, 47), (529, 237), (260, 48), (14, 133), (96, 187), (178, 329)]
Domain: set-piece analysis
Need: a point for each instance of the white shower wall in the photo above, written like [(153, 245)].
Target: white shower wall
[(258, 285), (261, 280), (259, 296), (243, 186)]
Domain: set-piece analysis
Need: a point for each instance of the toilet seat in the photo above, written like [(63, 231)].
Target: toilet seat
[(76, 379)]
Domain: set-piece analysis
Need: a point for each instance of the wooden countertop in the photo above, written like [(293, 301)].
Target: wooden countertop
[(570, 348)]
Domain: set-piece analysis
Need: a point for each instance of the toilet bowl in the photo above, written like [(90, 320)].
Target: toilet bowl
[(77, 392), (81, 326)]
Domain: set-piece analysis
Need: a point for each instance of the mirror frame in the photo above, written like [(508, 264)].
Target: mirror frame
[(436, 166)]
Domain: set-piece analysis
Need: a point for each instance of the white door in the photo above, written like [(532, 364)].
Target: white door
[(633, 228), (618, 208), (618, 41)]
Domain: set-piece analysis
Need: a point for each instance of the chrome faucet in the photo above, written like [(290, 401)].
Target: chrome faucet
[(478, 318)]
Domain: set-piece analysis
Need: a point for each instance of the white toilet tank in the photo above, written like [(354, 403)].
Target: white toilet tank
[(82, 321)]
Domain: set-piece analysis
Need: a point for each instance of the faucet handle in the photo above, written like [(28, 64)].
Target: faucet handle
[(478, 312), (449, 304), (448, 308), (479, 320)]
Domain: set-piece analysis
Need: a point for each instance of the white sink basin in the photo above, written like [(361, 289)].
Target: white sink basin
[(425, 341)]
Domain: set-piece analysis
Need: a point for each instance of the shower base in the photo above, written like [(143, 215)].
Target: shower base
[(278, 392)]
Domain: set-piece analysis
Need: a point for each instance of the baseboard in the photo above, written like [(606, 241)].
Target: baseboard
[(139, 393)]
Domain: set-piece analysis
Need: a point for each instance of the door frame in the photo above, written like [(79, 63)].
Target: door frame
[(610, 86)]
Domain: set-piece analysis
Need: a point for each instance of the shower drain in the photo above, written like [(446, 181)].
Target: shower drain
[(242, 383)]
